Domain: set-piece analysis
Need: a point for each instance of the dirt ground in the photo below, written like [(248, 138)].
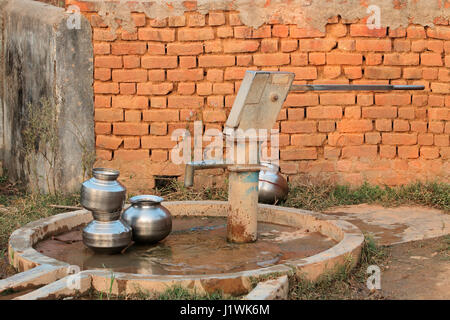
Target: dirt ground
[(418, 270)]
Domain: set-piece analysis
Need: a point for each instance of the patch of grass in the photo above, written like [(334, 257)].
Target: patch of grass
[(19, 208), (175, 191), (171, 293), (323, 195), (342, 282)]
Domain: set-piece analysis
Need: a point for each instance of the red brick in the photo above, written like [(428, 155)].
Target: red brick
[(372, 137), (131, 62), (133, 115), (324, 112), (108, 62), (362, 30), (401, 125), (130, 128), (158, 155), (399, 138), (216, 61), (215, 101), (225, 32), (302, 73), (439, 33), (102, 74), (108, 142), (102, 101), (156, 34), (408, 152), (299, 59), (352, 112), (298, 126), (374, 45), (406, 113), (373, 59), (383, 125), (425, 139), (412, 73), (349, 125), (345, 139), (160, 115), (149, 88), (240, 46), (188, 62), (431, 59), (195, 34), (102, 48), (269, 45), (280, 31), (296, 113), (442, 140), (397, 33), (235, 20), (296, 32), (158, 128), (429, 152), (315, 58), (185, 75), (331, 72), (196, 19), (131, 155), (223, 88), (289, 45), (337, 30), (271, 59), (102, 87), (125, 35), (337, 98), (388, 152), (394, 99), (103, 35), (185, 102), (103, 154), (401, 45), (439, 113), (398, 59), (123, 48), (379, 112), (130, 102), (309, 45), (177, 21), (436, 126), (134, 75), (186, 88), (108, 115), (344, 58), (359, 152), (299, 154), (416, 32), (158, 62), (327, 126), (244, 32), (418, 126), (430, 73), (301, 100), (353, 72), (216, 75), (188, 49), (204, 88), (308, 140), (382, 72), (214, 116), (102, 128), (131, 142)]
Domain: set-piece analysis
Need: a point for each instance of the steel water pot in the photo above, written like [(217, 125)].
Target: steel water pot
[(150, 221), (272, 186), (107, 237), (103, 194)]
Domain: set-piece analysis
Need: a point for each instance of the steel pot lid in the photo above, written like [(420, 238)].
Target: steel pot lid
[(146, 199), (105, 174)]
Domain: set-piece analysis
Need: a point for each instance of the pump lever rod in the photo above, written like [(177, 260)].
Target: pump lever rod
[(353, 87)]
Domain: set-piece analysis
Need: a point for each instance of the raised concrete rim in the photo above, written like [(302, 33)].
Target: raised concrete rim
[(23, 256)]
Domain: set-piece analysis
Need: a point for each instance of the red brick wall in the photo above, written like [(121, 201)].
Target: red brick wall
[(148, 82)]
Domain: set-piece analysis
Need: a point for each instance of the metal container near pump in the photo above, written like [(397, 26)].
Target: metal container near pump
[(151, 222), (104, 196), (272, 186)]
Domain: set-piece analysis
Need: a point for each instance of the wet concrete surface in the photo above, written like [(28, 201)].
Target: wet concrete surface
[(197, 245), (395, 225)]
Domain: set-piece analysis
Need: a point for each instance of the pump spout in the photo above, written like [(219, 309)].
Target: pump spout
[(200, 165)]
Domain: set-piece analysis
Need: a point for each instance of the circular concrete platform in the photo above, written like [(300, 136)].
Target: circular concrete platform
[(347, 240)]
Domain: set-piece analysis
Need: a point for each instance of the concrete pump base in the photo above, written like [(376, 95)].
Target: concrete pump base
[(26, 259)]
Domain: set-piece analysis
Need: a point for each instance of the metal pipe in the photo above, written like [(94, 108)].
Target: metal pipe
[(200, 165), (355, 87)]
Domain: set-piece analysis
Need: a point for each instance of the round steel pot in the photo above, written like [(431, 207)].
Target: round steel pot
[(107, 237), (150, 221), (103, 194), (272, 186)]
